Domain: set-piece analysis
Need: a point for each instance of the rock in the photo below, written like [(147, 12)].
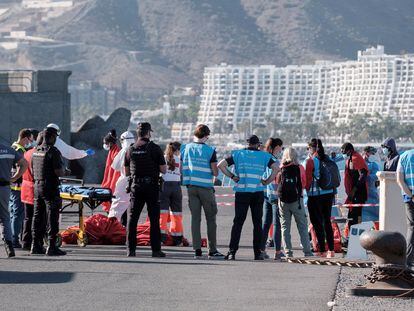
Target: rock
[(90, 136), (93, 131)]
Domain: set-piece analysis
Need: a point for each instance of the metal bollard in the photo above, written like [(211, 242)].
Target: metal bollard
[(389, 276)]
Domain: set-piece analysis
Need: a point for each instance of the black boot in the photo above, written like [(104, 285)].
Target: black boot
[(231, 255), (131, 252), (159, 254), (37, 249), (53, 250), (8, 245), (27, 246)]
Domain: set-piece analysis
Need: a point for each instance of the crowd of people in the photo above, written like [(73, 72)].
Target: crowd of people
[(268, 179)]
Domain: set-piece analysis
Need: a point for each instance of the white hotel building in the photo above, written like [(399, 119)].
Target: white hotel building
[(375, 82)]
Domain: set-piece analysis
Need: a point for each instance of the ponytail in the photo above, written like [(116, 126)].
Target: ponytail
[(316, 144), (172, 147)]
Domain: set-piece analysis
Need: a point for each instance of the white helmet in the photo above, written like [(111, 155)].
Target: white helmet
[(127, 138), (127, 135), (54, 126)]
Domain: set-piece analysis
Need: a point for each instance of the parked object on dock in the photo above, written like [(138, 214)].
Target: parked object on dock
[(389, 276)]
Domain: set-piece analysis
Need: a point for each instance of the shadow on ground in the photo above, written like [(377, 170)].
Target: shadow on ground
[(16, 277)]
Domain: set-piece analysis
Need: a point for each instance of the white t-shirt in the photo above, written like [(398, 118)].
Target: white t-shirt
[(173, 175)]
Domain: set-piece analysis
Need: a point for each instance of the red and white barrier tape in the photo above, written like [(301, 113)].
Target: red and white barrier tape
[(355, 205), (336, 205), (225, 204), (230, 195)]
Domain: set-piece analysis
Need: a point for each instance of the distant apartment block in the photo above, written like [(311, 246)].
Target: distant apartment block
[(375, 82), (33, 99), (89, 93), (182, 132)]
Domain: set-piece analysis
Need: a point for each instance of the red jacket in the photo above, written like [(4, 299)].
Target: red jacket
[(110, 176), (27, 191), (356, 163)]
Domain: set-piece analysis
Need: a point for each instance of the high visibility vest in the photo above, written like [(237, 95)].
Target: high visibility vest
[(18, 184), (196, 169), (249, 166), (407, 163), (27, 191)]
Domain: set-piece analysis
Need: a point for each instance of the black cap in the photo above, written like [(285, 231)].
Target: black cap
[(144, 126), (253, 140), (52, 131), (370, 149)]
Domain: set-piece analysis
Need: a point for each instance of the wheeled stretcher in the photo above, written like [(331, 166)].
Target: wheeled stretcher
[(73, 192)]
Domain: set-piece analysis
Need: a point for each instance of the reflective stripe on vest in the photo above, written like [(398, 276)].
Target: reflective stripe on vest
[(16, 186), (250, 166), (196, 169), (18, 147)]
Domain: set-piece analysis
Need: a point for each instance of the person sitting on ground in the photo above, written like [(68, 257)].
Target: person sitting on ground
[(291, 181)]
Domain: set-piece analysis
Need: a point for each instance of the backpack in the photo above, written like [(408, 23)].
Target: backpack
[(329, 176), (290, 186)]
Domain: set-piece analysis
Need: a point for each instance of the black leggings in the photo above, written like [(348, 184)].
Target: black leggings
[(320, 208)]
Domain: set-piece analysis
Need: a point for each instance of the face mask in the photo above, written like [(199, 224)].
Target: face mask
[(346, 156), (386, 151), (106, 147)]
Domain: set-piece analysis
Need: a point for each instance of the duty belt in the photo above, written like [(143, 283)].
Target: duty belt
[(144, 180), (4, 183)]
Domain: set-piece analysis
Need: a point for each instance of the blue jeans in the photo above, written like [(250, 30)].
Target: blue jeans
[(4, 213), (271, 217), (16, 208)]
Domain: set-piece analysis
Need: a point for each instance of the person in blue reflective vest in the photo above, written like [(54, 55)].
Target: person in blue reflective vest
[(198, 169), (405, 179), (371, 213), (250, 165)]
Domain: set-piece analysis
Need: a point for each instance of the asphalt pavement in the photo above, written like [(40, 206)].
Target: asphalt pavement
[(102, 278)]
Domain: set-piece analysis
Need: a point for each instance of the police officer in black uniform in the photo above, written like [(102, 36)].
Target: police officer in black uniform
[(144, 161), (47, 167)]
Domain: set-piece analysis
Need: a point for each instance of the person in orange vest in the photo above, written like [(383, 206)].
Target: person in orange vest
[(27, 193), (16, 207), (171, 197), (110, 175)]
